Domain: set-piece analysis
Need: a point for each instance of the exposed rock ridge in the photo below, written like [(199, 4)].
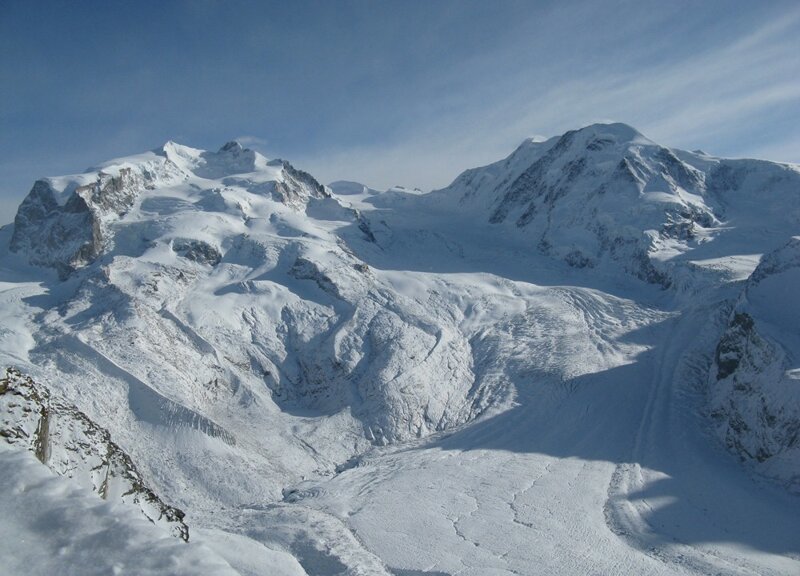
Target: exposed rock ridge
[(69, 236), (71, 444), (755, 381)]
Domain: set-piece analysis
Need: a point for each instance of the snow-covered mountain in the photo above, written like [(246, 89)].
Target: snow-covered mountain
[(313, 371), (606, 192), (208, 248), (67, 222)]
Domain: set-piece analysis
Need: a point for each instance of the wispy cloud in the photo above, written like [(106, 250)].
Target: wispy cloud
[(408, 94), (710, 99), (249, 141), (785, 150)]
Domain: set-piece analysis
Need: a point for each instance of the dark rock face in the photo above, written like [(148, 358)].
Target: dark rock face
[(753, 425), (197, 251), (61, 237), (529, 186), (71, 444), (753, 382), (366, 229), (732, 346), (678, 172), (298, 186), (304, 269), (69, 236)]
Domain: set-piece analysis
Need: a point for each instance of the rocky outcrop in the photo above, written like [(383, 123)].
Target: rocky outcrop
[(755, 380), (69, 236), (197, 251), (296, 187), (71, 444), (749, 421)]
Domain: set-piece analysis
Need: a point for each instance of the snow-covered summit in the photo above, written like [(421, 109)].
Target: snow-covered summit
[(232, 158), (349, 188), (606, 193), (67, 222), (618, 132)]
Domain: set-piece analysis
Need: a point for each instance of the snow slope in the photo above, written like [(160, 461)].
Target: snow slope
[(52, 527), (507, 376)]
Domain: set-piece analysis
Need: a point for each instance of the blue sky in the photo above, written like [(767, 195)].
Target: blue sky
[(387, 93)]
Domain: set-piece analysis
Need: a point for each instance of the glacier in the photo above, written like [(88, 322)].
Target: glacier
[(579, 359)]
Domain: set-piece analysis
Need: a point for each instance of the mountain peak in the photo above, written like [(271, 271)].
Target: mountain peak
[(616, 132), (232, 146), (347, 188), (176, 152), (593, 137)]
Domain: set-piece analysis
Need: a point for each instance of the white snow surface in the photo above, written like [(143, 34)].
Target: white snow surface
[(50, 526), (507, 376)]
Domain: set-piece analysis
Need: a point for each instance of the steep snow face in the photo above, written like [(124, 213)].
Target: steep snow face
[(606, 192), (755, 381)]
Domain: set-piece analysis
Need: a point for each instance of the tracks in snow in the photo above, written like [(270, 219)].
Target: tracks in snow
[(660, 439)]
